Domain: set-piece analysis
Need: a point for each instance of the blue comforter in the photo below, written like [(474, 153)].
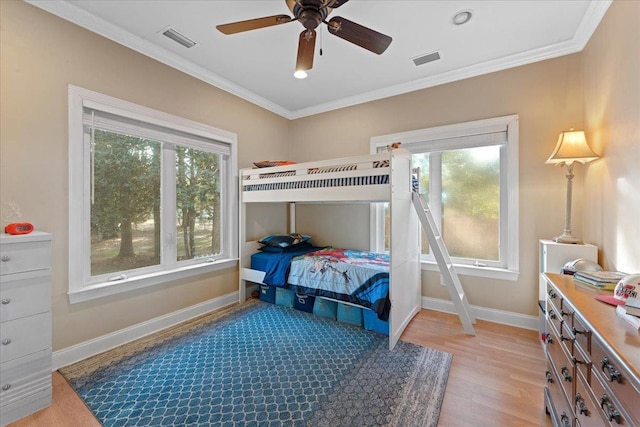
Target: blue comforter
[(358, 277)]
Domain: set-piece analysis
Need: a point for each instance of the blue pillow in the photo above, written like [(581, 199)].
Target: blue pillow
[(291, 248), (284, 240)]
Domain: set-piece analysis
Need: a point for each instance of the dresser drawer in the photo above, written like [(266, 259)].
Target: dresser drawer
[(617, 378), (25, 375), (28, 256), (558, 404), (24, 336), (557, 352), (24, 294), (586, 406), (609, 407)]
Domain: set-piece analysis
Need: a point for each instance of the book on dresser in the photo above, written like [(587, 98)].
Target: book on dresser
[(630, 319), (632, 306), (600, 279)]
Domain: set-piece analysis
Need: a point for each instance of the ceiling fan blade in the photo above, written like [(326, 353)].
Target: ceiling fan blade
[(357, 34), (336, 3), (306, 49), (253, 24)]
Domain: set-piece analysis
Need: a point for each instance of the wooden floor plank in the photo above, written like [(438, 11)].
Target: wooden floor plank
[(496, 378)]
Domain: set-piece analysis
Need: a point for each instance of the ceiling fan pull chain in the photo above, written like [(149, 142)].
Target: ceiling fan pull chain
[(321, 41)]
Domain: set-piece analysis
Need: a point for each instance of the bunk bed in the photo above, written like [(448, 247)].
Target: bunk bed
[(382, 177)]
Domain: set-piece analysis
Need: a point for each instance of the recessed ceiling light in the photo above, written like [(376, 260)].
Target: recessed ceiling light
[(461, 17), (300, 74)]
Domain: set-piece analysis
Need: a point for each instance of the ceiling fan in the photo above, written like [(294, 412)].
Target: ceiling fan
[(311, 13)]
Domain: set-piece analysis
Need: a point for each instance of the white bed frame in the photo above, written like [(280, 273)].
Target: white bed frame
[(404, 266)]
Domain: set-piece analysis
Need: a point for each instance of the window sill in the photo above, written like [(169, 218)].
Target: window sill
[(470, 270), (100, 290)]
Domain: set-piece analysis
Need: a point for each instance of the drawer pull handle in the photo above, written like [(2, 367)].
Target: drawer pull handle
[(609, 410), (549, 377), (565, 313), (553, 315), (566, 374), (576, 332), (610, 371), (552, 294), (563, 338), (564, 420), (548, 339), (6, 341), (6, 301), (6, 258), (577, 361), (6, 387), (582, 407)]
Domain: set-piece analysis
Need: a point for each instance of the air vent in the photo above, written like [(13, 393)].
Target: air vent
[(177, 37), (430, 57)]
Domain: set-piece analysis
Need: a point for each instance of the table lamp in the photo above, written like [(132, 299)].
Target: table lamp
[(571, 147)]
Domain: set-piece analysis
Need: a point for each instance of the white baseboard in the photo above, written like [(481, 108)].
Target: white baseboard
[(81, 351), (492, 315)]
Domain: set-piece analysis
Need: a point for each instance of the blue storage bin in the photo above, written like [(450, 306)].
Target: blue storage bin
[(303, 302), (284, 297), (350, 314), (268, 294), (325, 308), (372, 323)]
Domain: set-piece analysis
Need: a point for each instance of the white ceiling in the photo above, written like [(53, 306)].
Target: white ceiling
[(258, 65)]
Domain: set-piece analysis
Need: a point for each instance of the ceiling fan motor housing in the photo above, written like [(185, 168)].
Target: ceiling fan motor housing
[(310, 13)]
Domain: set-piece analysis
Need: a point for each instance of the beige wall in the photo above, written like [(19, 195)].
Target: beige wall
[(41, 56), (597, 90), (548, 98), (611, 63)]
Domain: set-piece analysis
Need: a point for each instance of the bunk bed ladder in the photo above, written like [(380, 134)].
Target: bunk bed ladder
[(445, 265)]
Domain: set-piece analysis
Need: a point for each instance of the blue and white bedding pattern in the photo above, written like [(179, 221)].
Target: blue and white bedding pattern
[(354, 276)]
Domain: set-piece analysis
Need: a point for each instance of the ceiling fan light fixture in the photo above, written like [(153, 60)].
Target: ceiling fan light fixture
[(462, 17), (300, 74)]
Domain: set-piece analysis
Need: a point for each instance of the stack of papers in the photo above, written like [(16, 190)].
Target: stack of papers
[(600, 279)]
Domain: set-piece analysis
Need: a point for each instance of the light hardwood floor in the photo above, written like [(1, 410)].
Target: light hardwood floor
[(496, 378)]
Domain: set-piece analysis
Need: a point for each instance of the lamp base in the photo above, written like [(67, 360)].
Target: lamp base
[(566, 237)]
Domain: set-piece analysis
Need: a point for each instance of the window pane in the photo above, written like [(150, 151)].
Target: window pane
[(471, 202), (125, 211), (197, 203)]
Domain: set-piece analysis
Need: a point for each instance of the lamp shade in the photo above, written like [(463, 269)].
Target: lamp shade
[(572, 147)]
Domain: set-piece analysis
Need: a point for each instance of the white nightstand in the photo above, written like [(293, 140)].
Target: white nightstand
[(553, 256)]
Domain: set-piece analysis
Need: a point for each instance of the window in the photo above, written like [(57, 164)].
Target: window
[(469, 175), (152, 196)]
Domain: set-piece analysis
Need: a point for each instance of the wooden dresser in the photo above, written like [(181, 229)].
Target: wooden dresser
[(25, 325), (593, 374)]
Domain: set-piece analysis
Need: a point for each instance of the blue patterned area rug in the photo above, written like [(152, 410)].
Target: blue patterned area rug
[(259, 364)]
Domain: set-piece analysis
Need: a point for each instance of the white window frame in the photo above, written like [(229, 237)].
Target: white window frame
[(81, 287), (440, 137)]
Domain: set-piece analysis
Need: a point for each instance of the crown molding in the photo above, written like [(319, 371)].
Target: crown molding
[(594, 15), (78, 16), (69, 12)]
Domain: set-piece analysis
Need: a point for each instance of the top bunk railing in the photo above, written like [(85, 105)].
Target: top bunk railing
[(364, 178)]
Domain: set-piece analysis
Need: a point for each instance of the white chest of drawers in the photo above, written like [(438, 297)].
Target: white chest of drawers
[(25, 325)]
